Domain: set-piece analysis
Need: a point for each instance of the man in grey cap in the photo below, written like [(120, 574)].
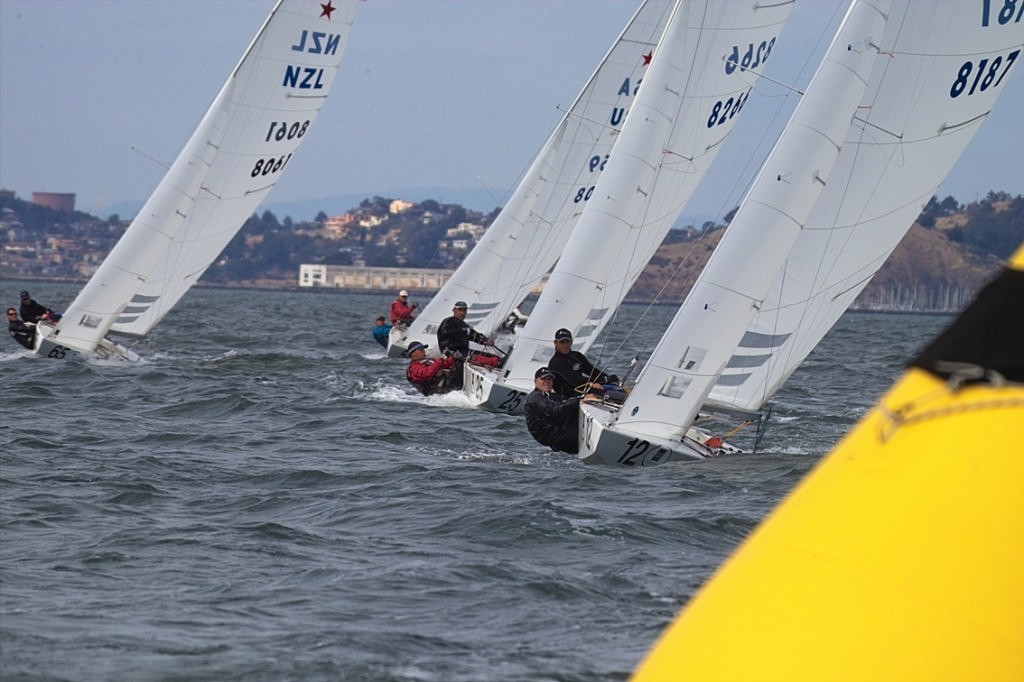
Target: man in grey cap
[(551, 419)]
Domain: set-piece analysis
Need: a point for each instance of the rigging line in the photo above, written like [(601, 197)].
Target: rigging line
[(162, 164), (498, 201), (866, 122), (569, 113), (708, 227), (760, 74), (755, 161)]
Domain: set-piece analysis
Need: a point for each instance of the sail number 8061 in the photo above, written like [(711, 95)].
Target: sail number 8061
[(280, 130), (271, 165)]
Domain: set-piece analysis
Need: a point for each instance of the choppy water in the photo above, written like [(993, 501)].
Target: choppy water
[(264, 498)]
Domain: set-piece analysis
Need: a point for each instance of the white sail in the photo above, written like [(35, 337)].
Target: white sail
[(689, 101), (242, 145), (946, 64), (704, 332), (816, 225), (528, 235)]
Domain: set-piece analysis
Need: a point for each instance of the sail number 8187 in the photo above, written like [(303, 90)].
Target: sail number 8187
[(983, 77)]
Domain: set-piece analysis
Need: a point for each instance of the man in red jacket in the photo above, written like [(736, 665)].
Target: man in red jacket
[(432, 375), (401, 311)]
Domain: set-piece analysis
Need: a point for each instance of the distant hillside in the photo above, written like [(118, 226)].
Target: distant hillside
[(934, 269), (939, 265)]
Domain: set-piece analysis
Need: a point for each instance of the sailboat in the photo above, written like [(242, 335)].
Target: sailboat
[(234, 158), (700, 76), (903, 88), (529, 234)]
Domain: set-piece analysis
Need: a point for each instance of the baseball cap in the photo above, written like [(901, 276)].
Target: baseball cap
[(563, 333), (403, 292), (543, 373), (460, 304), (414, 346), (24, 294)]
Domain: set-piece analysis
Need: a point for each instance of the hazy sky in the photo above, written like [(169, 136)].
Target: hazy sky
[(432, 93)]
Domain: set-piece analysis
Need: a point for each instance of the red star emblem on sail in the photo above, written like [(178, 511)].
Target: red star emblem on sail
[(326, 9), (647, 58)]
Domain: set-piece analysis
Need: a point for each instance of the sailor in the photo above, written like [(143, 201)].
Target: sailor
[(454, 335), (380, 331), (514, 319), (573, 372), (32, 311), (401, 311), (22, 333), (551, 419), (432, 375)]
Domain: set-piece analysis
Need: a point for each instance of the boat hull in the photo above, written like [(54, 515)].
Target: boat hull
[(48, 346), (397, 342), (601, 443), (482, 386)]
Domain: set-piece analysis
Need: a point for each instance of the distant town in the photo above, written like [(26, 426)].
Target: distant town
[(388, 243)]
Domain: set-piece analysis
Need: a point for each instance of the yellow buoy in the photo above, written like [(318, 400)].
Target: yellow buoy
[(901, 556)]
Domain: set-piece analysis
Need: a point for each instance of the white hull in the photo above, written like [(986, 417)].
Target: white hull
[(47, 346), (397, 342), (482, 386), (600, 444)]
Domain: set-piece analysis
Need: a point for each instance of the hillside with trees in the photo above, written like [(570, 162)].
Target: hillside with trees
[(949, 253), (946, 256)]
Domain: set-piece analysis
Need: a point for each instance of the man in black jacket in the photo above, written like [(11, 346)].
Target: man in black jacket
[(19, 331), (551, 419), (572, 369), (33, 311), (454, 333)]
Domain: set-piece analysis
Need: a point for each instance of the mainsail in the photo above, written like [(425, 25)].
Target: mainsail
[(818, 221), (701, 338), (242, 145), (701, 75), (945, 66), (528, 235)]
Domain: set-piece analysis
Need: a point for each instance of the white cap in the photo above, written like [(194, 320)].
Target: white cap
[(403, 292)]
